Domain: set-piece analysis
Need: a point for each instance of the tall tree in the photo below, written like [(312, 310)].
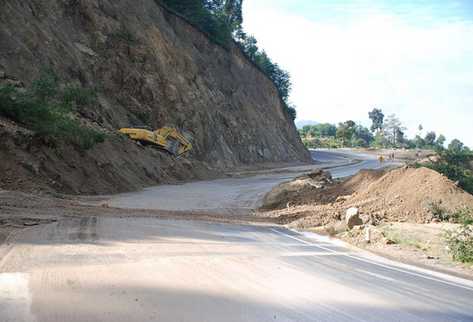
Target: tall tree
[(393, 129), (377, 118), (430, 138)]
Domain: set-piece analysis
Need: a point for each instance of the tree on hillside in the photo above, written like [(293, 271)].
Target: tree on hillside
[(377, 118), (440, 140), (234, 13), (456, 146), (430, 138)]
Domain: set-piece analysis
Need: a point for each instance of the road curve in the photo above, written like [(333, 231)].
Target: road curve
[(238, 195), (145, 269)]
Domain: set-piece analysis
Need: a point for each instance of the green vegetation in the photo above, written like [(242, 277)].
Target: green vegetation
[(222, 21), (389, 133), (346, 134), (460, 243), (453, 162), (46, 109), (217, 18)]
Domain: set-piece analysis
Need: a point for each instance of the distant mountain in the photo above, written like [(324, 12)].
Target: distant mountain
[(301, 123)]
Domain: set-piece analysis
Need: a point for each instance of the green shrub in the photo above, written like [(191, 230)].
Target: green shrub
[(438, 211), (463, 216), (46, 109), (79, 96), (460, 243), (215, 25)]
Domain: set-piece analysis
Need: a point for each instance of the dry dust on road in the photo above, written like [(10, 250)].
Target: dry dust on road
[(238, 195), (145, 269)]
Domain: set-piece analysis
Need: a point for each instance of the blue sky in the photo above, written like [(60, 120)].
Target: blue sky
[(411, 58)]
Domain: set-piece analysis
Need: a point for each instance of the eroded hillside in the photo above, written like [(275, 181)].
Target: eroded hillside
[(148, 67)]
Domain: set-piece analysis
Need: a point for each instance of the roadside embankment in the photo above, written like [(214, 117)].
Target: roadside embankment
[(405, 212)]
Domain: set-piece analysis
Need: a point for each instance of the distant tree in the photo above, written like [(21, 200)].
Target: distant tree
[(345, 131), (377, 118), (379, 140), (456, 146), (393, 129), (327, 130), (440, 140), (430, 138), (419, 142), (362, 136)]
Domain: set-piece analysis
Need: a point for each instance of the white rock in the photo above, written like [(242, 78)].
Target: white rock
[(352, 218)]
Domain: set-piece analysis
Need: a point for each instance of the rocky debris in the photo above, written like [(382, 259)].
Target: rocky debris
[(352, 218)]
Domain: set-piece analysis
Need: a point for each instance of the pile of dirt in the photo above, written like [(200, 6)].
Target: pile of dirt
[(297, 191), (400, 195)]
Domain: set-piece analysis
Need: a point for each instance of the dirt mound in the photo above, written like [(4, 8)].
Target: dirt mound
[(400, 195), (297, 191), (405, 194)]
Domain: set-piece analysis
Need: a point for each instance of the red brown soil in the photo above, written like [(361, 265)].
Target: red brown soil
[(399, 195)]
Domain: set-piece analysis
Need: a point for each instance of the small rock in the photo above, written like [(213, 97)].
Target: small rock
[(84, 49)]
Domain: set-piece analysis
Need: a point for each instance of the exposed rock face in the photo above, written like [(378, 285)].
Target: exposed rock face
[(149, 67)]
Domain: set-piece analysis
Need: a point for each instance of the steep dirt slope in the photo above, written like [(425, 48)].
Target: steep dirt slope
[(149, 67)]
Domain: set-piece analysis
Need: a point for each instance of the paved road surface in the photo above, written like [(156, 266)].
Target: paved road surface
[(148, 269), (143, 269), (237, 195)]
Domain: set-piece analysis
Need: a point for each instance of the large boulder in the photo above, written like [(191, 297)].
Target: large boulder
[(352, 218)]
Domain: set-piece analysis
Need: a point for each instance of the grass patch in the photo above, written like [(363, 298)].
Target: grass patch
[(46, 108), (401, 238)]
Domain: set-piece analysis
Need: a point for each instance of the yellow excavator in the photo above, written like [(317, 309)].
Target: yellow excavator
[(166, 138)]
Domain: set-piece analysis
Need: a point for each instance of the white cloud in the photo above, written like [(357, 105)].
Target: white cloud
[(340, 71)]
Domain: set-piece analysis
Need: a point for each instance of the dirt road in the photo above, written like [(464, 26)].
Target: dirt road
[(238, 195)]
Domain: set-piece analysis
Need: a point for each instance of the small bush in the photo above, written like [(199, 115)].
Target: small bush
[(438, 211), (460, 243), (46, 109)]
